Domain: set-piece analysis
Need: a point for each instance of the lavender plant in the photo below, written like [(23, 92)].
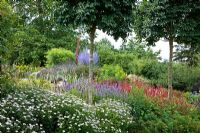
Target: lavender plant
[(100, 89)]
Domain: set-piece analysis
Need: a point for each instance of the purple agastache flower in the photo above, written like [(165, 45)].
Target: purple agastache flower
[(83, 57)]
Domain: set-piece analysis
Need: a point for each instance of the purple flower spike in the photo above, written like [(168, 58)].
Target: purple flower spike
[(83, 57)]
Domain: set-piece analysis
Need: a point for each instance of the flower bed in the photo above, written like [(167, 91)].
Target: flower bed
[(33, 110)]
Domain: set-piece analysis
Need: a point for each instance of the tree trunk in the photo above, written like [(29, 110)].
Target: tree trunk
[(41, 16), (77, 47), (0, 67), (170, 69), (91, 63)]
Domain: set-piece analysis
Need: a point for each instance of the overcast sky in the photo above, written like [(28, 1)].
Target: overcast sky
[(160, 45)]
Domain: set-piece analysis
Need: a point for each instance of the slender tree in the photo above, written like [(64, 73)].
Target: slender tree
[(169, 19), (7, 24), (111, 16), (78, 41)]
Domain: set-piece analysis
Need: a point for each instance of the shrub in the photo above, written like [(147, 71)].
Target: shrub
[(151, 117), (153, 70), (7, 85), (59, 55), (40, 83), (125, 60), (111, 72), (192, 98), (185, 77)]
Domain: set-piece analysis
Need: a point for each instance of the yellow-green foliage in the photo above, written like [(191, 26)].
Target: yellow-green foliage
[(23, 71), (111, 72), (58, 55), (40, 83)]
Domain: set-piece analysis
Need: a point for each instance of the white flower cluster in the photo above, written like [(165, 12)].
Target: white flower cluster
[(42, 111), (17, 114), (115, 115)]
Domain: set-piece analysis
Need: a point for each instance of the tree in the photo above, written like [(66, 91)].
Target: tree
[(140, 49), (190, 47), (104, 44), (188, 53), (169, 19), (110, 16), (7, 24), (38, 32)]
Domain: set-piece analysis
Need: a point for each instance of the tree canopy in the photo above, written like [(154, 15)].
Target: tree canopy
[(169, 19), (112, 17)]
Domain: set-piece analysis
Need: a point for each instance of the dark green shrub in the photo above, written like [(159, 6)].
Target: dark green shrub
[(184, 77), (106, 57), (153, 70), (111, 72), (58, 55)]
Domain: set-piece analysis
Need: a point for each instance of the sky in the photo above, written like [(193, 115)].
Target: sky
[(161, 45)]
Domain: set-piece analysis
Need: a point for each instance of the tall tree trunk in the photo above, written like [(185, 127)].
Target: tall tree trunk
[(0, 67), (170, 68), (77, 47), (41, 16), (91, 63)]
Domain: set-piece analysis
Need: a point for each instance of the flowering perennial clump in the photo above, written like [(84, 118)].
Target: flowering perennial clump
[(160, 94), (83, 57), (35, 110), (106, 88)]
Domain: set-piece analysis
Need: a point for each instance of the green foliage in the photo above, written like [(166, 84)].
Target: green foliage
[(36, 32), (130, 62), (157, 19), (104, 45), (83, 70), (113, 17), (153, 70), (111, 72), (140, 49), (35, 83), (188, 53), (184, 77), (59, 55), (131, 57), (192, 98), (23, 71), (7, 24), (7, 86), (31, 45), (150, 117)]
